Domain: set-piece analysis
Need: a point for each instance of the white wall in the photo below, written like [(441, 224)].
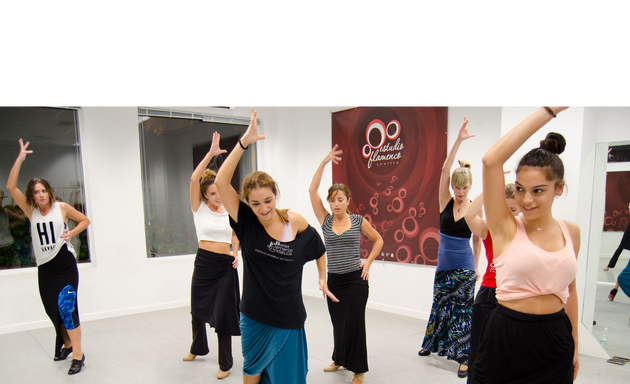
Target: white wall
[(121, 280)]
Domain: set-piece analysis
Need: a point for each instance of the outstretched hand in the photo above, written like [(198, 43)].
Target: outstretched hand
[(463, 131), (23, 151), (251, 135), (214, 148), (334, 155)]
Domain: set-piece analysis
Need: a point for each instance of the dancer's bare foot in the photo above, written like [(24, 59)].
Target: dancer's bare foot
[(607, 268)]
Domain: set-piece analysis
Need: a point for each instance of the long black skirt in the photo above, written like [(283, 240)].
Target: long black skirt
[(348, 320), (52, 277), (215, 294), (517, 347), (485, 303)]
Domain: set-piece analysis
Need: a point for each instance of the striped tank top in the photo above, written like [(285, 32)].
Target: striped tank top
[(343, 251)]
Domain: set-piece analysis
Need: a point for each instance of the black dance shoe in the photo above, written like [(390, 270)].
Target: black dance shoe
[(462, 373), (424, 352), (62, 354), (612, 294), (76, 365)]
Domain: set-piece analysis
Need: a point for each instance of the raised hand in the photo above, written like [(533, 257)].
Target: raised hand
[(251, 135), (214, 147), (463, 131), (334, 155), (557, 110), (23, 151)]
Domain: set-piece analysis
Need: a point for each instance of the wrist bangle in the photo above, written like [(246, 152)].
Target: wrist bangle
[(550, 111), (244, 148)]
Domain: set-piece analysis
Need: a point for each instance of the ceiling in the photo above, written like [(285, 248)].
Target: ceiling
[(39, 125)]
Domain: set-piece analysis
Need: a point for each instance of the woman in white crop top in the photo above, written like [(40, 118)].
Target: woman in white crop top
[(531, 337), (57, 273), (215, 296)]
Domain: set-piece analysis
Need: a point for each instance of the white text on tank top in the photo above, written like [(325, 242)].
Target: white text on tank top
[(46, 233)]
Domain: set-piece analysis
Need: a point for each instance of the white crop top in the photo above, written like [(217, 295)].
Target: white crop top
[(212, 226)]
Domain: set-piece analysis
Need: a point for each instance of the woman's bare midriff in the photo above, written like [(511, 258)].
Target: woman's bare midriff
[(537, 305), (215, 247)]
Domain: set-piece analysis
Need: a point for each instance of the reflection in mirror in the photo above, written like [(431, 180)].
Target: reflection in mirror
[(611, 212), (171, 148)]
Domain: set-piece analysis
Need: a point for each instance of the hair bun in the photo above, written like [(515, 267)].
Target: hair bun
[(464, 163), (554, 142), (208, 174)]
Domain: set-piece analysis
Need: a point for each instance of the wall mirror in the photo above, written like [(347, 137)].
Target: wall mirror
[(610, 215)]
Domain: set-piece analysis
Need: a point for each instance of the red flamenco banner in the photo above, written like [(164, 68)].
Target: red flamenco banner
[(617, 215), (392, 159)]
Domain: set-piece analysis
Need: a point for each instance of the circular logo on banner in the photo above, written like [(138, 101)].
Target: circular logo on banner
[(383, 145)]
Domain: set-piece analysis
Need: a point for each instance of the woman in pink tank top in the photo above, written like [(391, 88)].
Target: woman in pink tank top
[(532, 334)]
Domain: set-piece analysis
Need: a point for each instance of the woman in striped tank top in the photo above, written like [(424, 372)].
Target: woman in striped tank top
[(347, 274)]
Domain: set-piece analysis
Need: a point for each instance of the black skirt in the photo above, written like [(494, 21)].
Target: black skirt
[(485, 303), (348, 320), (52, 277), (517, 347), (215, 294)]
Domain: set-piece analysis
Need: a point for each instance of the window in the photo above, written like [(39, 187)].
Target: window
[(54, 137), (172, 144)]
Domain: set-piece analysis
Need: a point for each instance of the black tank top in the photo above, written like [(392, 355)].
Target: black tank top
[(449, 226)]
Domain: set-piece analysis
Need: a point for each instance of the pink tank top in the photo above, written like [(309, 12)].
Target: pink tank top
[(524, 270), (287, 232)]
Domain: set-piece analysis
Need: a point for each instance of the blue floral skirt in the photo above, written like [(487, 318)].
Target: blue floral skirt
[(449, 327)]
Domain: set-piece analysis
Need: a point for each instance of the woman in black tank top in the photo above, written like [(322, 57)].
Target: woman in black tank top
[(449, 325)]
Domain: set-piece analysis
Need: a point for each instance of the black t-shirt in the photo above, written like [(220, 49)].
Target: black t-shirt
[(272, 271)]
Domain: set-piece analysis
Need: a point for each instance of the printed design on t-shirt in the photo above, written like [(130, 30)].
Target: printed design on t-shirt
[(492, 268), (44, 235), (278, 249)]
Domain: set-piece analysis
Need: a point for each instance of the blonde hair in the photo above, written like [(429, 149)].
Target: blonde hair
[(462, 175), (260, 179), (510, 189), (207, 179)]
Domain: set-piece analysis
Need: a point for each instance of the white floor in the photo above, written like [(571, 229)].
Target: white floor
[(148, 348), (614, 315)]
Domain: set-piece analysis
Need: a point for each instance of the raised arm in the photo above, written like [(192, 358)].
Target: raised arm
[(475, 222), (229, 197), (316, 202), (12, 187), (445, 177), (500, 219), (195, 192)]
